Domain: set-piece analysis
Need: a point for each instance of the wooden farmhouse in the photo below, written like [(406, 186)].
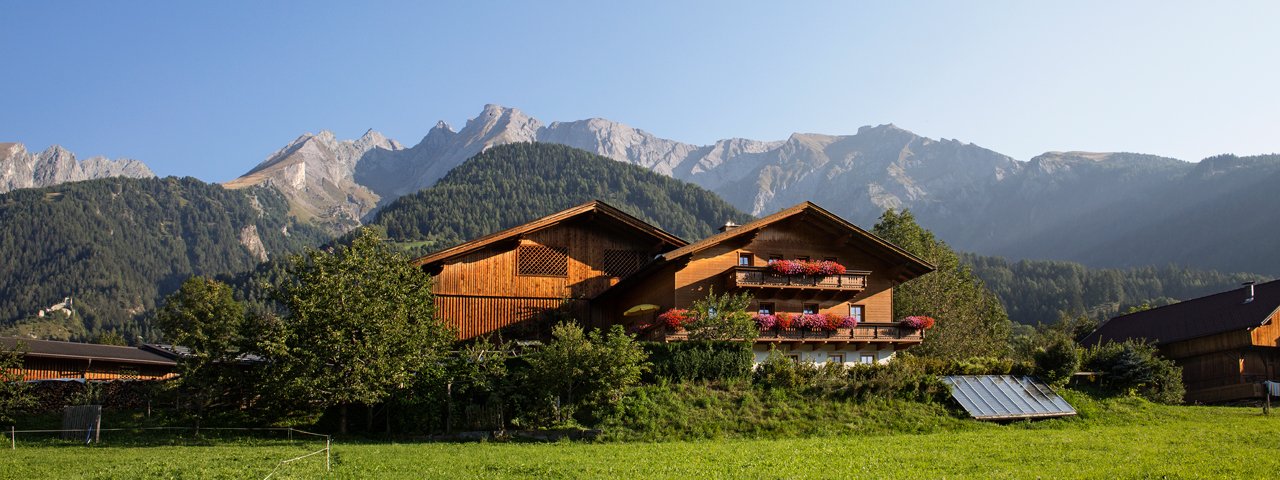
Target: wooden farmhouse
[(1226, 344), (52, 360), (595, 263)]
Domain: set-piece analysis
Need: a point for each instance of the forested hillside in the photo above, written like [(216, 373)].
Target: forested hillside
[(1041, 291), (511, 184), (117, 246)]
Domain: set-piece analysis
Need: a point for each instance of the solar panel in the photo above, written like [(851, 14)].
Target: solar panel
[(1002, 397)]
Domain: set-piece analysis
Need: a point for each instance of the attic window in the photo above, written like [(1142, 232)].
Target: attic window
[(621, 263), (542, 261)]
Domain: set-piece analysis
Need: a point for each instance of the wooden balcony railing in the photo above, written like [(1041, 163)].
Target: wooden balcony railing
[(763, 277), (871, 333)]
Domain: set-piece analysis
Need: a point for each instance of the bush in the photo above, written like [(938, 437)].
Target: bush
[(780, 372), (906, 377), (700, 360), (578, 375), (1136, 368), (1058, 360)]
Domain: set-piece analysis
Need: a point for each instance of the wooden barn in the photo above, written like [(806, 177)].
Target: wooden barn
[(1226, 343), (520, 280), (52, 360), (593, 263)]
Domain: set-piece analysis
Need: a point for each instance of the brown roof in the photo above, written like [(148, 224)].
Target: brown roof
[(73, 350), (915, 265), (592, 207), (1217, 313)]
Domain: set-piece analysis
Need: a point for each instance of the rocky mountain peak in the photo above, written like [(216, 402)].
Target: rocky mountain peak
[(20, 168)]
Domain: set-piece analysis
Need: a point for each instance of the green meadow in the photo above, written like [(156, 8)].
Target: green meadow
[(1125, 438)]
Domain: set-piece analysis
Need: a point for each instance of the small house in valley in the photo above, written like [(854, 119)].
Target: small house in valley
[(53, 360), (1226, 343), (598, 264)]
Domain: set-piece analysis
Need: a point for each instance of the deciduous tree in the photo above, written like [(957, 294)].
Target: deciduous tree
[(204, 319), (970, 320), (361, 324)]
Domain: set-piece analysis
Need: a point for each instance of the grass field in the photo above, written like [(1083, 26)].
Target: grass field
[(1119, 439)]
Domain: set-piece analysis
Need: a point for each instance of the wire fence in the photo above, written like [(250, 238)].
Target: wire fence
[(92, 434)]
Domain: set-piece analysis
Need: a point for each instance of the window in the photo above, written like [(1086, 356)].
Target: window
[(542, 261), (835, 358), (773, 257), (810, 308), (868, 358), (855, 311), (766, 308), (744, 259), (620, 263)]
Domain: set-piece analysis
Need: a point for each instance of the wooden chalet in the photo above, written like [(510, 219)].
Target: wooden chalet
[(738, 259), (593, 263), (518, 281), (1226, 343), (52, 360)]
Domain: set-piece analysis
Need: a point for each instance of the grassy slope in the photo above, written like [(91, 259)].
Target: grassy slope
[(1112, 439)]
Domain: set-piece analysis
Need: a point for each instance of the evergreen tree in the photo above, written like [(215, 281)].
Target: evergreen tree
[(970, 320)]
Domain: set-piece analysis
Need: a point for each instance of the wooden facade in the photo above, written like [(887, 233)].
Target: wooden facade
[(736, 260), (593, 262), (51, 360), (519, 281), (1226, 344)]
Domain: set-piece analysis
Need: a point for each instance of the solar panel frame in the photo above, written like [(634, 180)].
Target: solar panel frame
[(1004, 397)]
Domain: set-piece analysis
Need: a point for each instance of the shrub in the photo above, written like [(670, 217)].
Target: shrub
[(578, 375), (1136, 368), (1057, 361), (700, 360), (723, 317), (780, 372)]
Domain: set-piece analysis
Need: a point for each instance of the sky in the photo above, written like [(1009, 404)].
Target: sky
[(211, 89)]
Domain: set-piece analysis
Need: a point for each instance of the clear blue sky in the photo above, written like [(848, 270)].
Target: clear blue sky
[(210, 90)]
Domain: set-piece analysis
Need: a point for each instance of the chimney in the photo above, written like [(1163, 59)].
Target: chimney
[(729, 225), (1250, 285)]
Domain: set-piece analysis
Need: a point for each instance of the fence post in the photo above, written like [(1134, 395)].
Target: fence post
[(13, 438), (327, 453)]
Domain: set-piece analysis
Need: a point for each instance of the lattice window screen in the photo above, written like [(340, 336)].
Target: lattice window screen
[(542, 261), (620, 263)]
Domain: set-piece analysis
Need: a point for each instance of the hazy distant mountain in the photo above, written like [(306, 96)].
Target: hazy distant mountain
[(22, 169), (1089, 207)]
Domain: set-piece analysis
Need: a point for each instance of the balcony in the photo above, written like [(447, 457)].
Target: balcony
[(763, 277), (865, 333)]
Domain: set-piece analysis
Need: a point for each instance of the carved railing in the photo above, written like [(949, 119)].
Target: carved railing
[(763, 277), (861, 333), (889, 333)]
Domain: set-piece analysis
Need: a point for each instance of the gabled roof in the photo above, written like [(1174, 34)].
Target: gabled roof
[(88, 351), (596, 207), (914, 265), (1217, 313)]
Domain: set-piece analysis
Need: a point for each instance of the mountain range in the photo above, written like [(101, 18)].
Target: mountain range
[(22, 169), (1101, 209)]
